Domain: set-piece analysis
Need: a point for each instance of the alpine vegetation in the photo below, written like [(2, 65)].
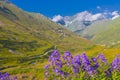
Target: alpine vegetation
[(6, 76), (80, 67)]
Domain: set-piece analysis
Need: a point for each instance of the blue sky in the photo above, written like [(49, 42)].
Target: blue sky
[(50, 8)]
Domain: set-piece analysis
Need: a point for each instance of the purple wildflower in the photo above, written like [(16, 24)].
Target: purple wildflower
[(76, 64), (76, 69), (58, 64), (46, 67), (15, 78), (101, 56), (68, 58), (96, 65), (46, 75), (87, 65), (94, 59), (6, 76), (58, 71), (85, 59), (109, 72), (77, 60), (68, 63), (90, 70), (54, 56), (116, 64)]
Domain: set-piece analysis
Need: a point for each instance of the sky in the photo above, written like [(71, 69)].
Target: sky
[(51, 8)]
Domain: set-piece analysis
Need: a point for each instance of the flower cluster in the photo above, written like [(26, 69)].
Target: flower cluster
[(68, 67), (116, 64), (6, 76)]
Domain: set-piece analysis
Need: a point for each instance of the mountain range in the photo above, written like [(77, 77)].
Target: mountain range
[(96, 27)]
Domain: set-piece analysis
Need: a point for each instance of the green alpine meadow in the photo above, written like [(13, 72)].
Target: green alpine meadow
[(36, 46)]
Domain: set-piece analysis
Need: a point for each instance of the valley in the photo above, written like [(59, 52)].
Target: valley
[(27, 40)]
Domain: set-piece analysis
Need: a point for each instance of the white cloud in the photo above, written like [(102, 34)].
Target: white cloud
[(57, 18), (115, 15), (98, 7), (97, 16), (86, 16)]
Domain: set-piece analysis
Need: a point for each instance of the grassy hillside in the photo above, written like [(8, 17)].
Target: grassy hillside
[(109, 37), (26, 39), (18, 27), (95, 28), (104, 32)]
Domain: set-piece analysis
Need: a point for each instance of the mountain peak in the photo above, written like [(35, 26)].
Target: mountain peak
[(82, 20)]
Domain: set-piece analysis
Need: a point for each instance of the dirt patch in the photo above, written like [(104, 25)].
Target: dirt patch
[(1, 23)]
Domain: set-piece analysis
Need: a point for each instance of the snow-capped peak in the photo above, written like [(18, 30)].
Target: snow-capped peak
[(86, 16), (115, 15)]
